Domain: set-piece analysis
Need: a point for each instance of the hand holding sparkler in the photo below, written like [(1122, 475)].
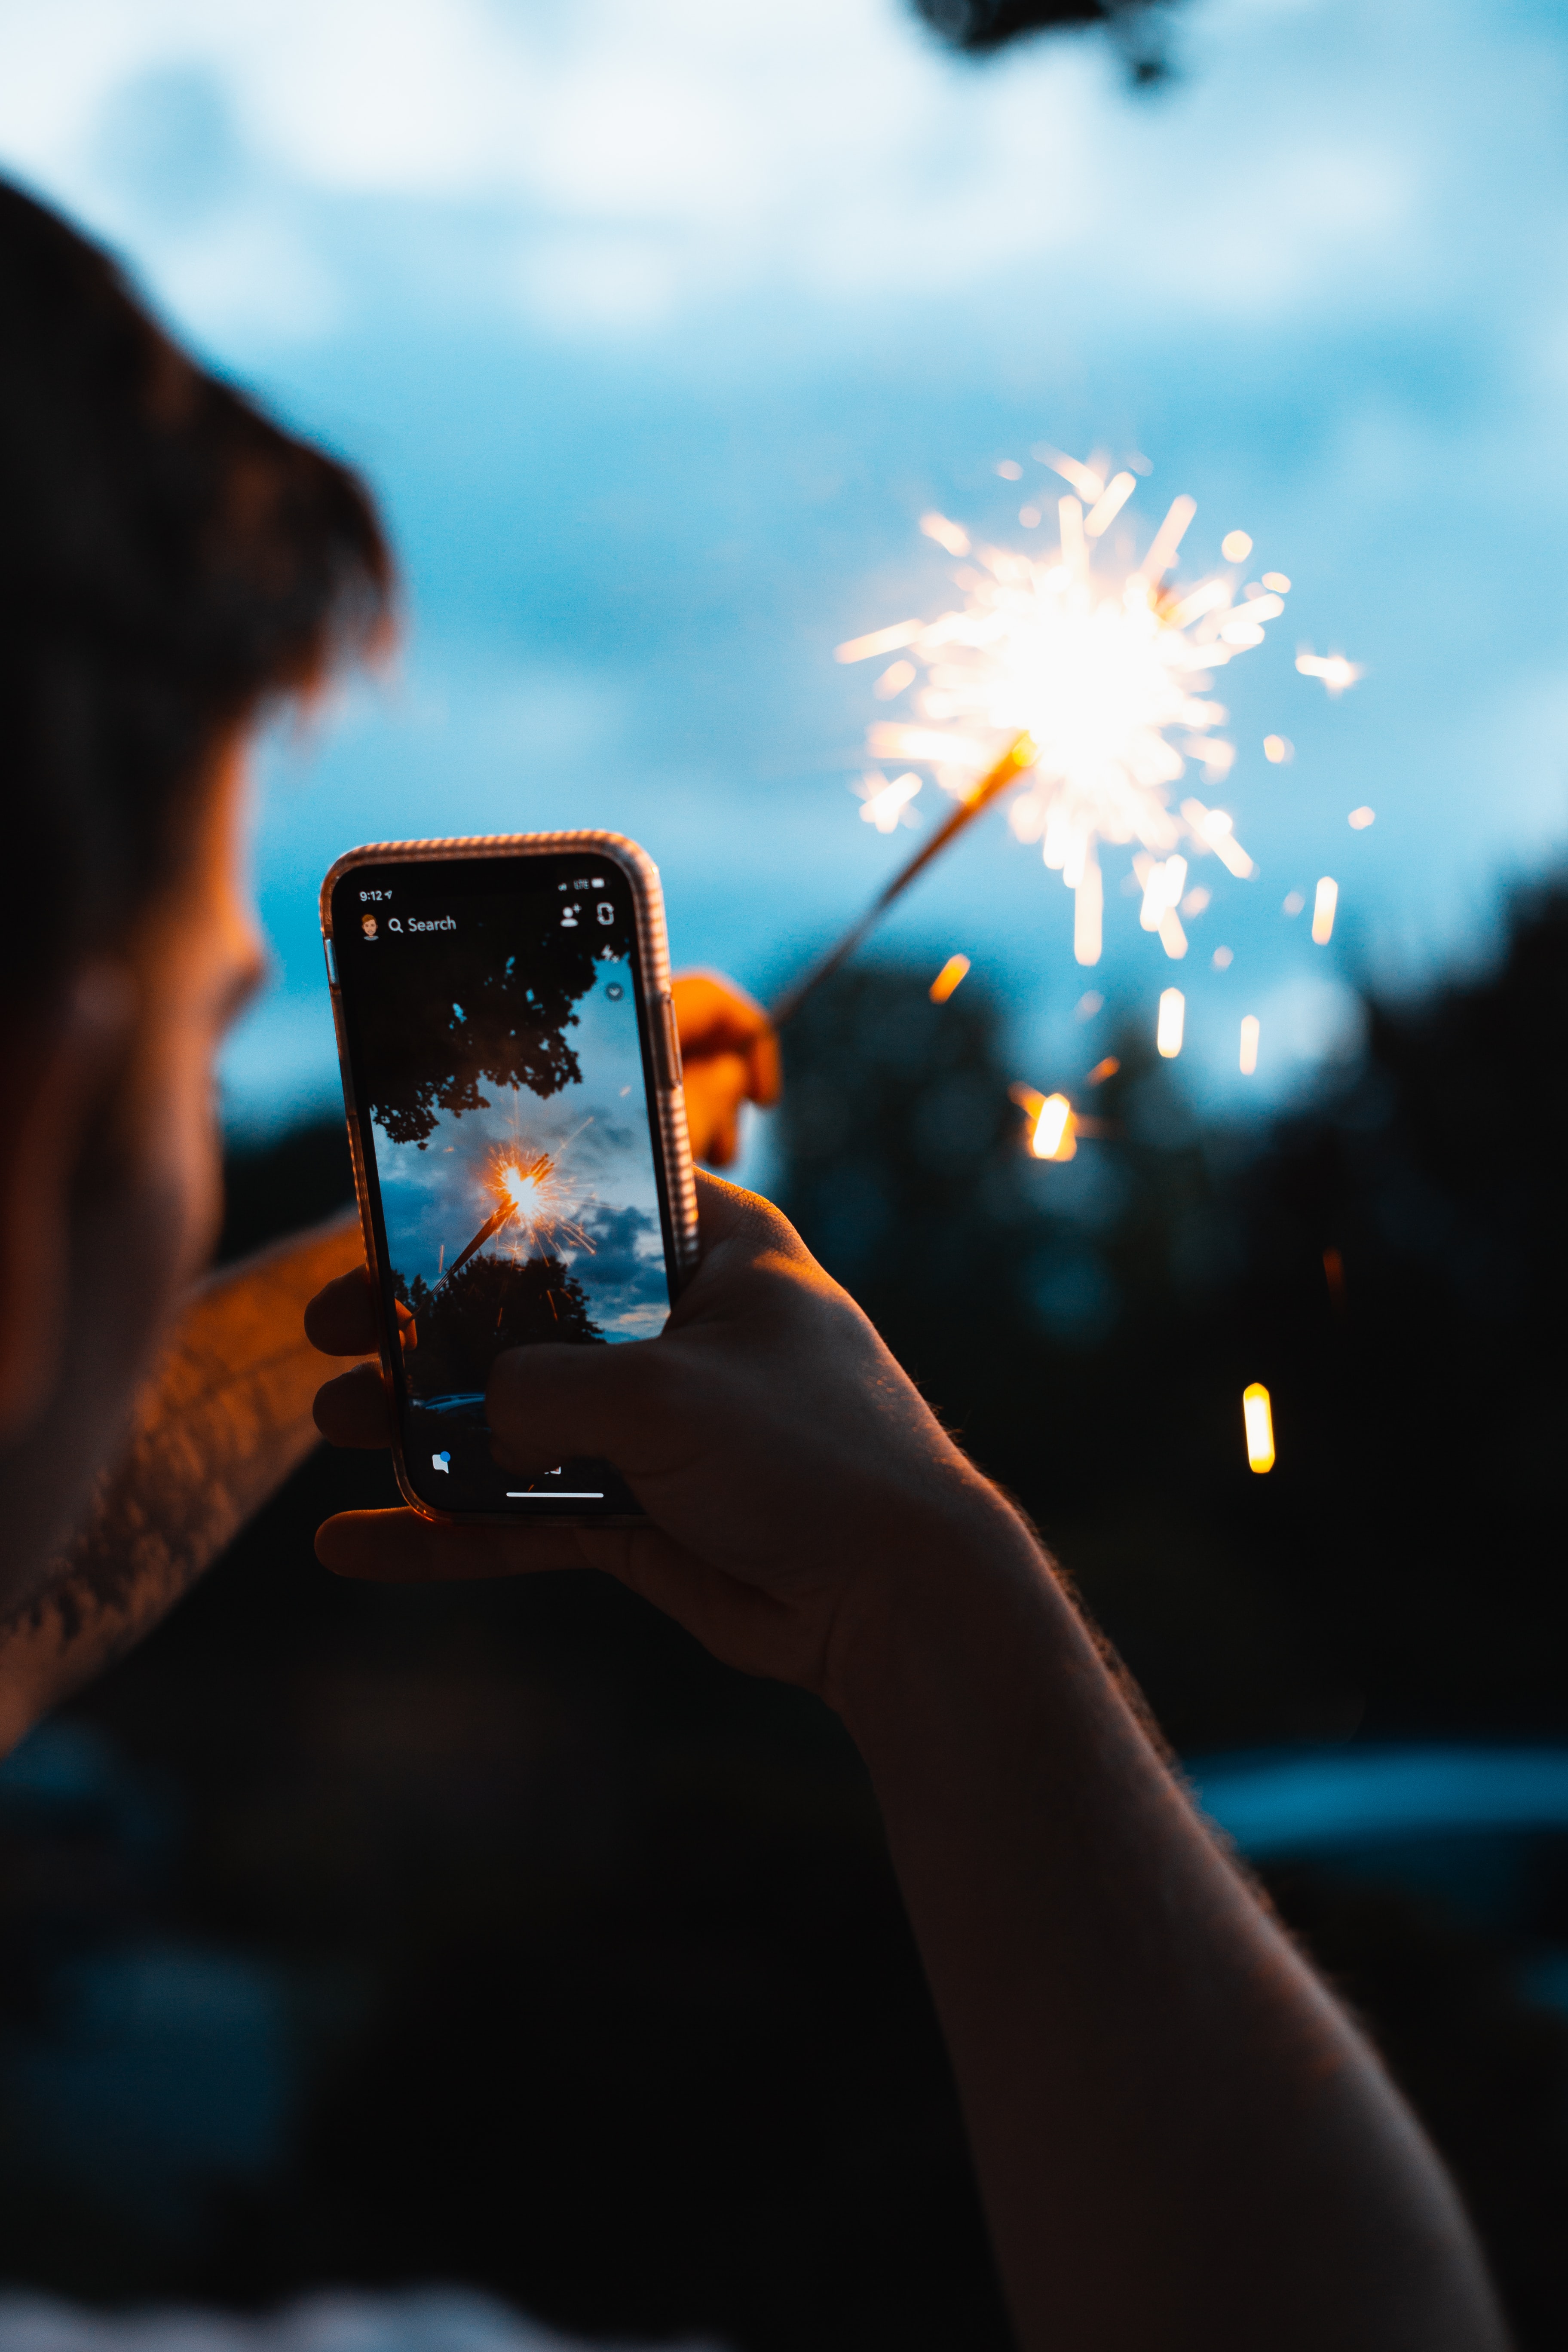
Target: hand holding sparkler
[(728, 1055)]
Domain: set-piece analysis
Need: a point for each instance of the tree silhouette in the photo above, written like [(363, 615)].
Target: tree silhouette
[(488, 1005), (492, 1304)]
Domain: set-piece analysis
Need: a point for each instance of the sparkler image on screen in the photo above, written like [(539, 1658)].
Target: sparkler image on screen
[(502, 1066)]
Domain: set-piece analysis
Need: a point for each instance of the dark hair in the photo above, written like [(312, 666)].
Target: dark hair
[(169, 559)]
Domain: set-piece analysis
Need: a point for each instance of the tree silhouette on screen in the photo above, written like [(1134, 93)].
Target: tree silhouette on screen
[(493, 1304), (489, 1006)]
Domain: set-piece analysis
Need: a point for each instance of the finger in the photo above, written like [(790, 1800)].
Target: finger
[(352, 1410), (713, 1016), (341, 1320), (548, 1403), (765, 1069), (714, 1089), (401, 1547), (729, 1214)]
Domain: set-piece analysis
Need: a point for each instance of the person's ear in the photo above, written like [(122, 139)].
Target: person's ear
[(52, 1073)]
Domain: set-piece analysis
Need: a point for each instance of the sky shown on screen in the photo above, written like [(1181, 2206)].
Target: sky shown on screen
[(602, 1223), (658, 327)]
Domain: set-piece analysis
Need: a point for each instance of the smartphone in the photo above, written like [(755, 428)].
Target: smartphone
[(512, 1076)]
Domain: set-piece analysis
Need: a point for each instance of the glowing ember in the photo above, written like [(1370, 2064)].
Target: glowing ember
[(1333, 668), (1053, 1123), (1172, 1020), (1109, 673), (1257, 1418), (1324, 905), (887, 805), (1251, 1028), (1053, 1137), (948, 978)]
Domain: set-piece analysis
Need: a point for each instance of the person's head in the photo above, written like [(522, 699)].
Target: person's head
[(171, 565)]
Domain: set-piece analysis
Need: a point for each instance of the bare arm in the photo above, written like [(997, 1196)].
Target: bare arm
[(1182, 2139), (225, 1418)]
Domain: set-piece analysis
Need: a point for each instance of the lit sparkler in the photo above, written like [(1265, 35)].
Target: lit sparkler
[(1108, 670), (1096, 683), (528, 1191)]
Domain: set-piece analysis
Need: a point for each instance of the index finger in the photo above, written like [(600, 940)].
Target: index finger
[(714, 1017), (341, 1320)]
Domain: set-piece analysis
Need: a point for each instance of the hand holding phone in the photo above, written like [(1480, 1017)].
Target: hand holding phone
[(511, 1074), (790, 1469)]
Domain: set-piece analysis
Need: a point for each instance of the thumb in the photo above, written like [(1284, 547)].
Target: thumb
[(549, 1404)]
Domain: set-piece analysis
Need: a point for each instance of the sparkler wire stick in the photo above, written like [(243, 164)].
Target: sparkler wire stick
[(1020, 754), (492, 1224)]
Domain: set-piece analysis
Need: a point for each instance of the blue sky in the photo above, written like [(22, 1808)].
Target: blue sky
[(656, 324)]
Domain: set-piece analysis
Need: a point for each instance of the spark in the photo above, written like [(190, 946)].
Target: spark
[(1108, 665), (1359, 819), (1333, 668), (1089, 1004), (887, 805), (1102, 1070), (1279, 750), (1278, 581), (1324, 905), (894, 680), (1250, 1027), (1172, 1022), (1010, 469), (880, 641), (1257, 1420), (948, 978), (951, 535), (1053, 1138), (1235, 547), (1293, 903), (1051, 1123), (1222, 959), (1084, 479)]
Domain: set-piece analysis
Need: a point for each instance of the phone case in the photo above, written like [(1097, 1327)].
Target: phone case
[(669, 1125)]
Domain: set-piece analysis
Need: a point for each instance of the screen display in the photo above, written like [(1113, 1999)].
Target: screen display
[(501, 1072)]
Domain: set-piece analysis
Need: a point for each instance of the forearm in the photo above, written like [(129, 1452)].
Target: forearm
[(223, 1420), (1179, 2137)]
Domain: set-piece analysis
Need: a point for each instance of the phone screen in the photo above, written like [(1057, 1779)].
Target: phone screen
[(502, 1074)]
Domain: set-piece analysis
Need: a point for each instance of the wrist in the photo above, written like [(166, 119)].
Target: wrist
[(957, 1581)]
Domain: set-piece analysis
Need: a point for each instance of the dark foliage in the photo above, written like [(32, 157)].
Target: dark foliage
[(981, 27), (491, 1304), (498, 1015)]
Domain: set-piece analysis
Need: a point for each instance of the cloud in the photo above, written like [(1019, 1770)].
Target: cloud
[(647, 162), (627, 1257)]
